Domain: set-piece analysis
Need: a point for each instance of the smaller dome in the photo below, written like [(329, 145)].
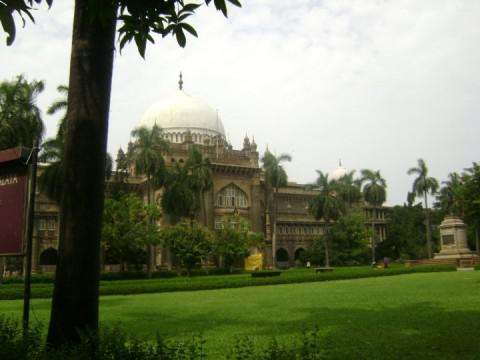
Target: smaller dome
[(339, 172)]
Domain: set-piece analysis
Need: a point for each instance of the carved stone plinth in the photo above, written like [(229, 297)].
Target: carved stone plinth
[(453, 240)]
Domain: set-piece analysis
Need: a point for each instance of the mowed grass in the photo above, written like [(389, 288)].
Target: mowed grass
[(415, 316), (12, 291)]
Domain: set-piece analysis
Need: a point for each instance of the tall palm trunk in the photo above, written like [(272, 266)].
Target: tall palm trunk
[(477, 241), (326, 245), (203, 209), (274, 233), (75, 295), (373, 241), (150, 247), (427, 226)]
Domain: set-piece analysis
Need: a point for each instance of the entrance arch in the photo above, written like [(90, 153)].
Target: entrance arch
[(48, 257), (282, 255), (299, 254)]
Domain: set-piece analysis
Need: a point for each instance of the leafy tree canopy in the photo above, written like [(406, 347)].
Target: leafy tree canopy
[(275, 174), (405, 233), (374, 191), (189, 242), (139, 19), (128, 226), (234, 240), (349, 241), (423, 184), (20, 118), (327, 204)]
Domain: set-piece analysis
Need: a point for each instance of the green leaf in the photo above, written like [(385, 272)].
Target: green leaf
[(190, 8), (181, 39), (220, 5), (189, 28), (141, 42), (8, 25), (235, 2)]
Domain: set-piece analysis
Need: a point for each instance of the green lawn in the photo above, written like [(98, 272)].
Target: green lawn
[(12, 291), (415, 316)]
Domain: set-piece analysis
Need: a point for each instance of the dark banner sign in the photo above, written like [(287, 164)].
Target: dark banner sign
[(13, 197)]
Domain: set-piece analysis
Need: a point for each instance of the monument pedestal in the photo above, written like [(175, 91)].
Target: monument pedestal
[(453, 238)]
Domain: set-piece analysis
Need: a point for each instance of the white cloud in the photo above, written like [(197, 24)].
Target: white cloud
[(377, 83)]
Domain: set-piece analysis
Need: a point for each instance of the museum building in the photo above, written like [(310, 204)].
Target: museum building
[(238, 186)]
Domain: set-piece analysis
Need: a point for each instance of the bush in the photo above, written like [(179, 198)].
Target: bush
[(266, 273), (114, 344), (110, 344), (35, 279)]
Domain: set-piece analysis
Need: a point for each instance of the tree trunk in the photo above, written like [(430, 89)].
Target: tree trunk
[(477, 241), (203, 209), (373, 243), (327, 250), (75, 296), (150, 247), (427, 226), (274, 232)]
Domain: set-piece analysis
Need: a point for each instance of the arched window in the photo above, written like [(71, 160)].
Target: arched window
[(300, 254), (231, 196), (48, 257), (282, 255)]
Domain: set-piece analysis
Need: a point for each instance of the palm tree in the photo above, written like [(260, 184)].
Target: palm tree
[(410, 198), (179, 199), (451, 197), (20, 118), (147, 156), (327, 205), (60, 105), (349, 189), (201, 177), (422, 186), (375, 194), (275, 177), (50, 180), (471, 179)]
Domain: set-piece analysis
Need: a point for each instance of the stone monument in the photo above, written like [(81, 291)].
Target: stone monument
[(453, 240)]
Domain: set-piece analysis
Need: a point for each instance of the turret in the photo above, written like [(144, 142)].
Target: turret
[(246, 143)]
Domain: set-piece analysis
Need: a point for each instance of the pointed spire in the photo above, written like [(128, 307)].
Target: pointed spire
[(254, 144), (180, 81), (246, 143), (339, 162)]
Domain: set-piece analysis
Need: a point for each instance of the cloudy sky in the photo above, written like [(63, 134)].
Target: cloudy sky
[(377, 83)]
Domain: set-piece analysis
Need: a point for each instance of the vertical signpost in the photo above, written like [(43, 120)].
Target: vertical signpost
[(32, 162), (15, 217)]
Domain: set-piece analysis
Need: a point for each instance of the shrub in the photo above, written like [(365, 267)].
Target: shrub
[(266, 273), (112, 344), (306, 347)]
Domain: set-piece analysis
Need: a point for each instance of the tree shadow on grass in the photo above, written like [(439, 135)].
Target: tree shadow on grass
[(417, 331)]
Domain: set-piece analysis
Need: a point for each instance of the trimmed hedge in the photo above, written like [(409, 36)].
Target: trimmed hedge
[(126, 287), (126, 275), (266, 273)]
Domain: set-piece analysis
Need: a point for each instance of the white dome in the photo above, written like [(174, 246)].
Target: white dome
[(338, 173), (180, 113)]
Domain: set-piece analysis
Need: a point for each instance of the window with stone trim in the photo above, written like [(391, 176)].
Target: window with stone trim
[(218, 224), (46, 223), (231, 196)]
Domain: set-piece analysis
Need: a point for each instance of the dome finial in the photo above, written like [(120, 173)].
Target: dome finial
[(340, 162), (180, 81)]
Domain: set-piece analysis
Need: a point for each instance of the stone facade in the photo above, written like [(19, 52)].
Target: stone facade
[(238, 188)]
